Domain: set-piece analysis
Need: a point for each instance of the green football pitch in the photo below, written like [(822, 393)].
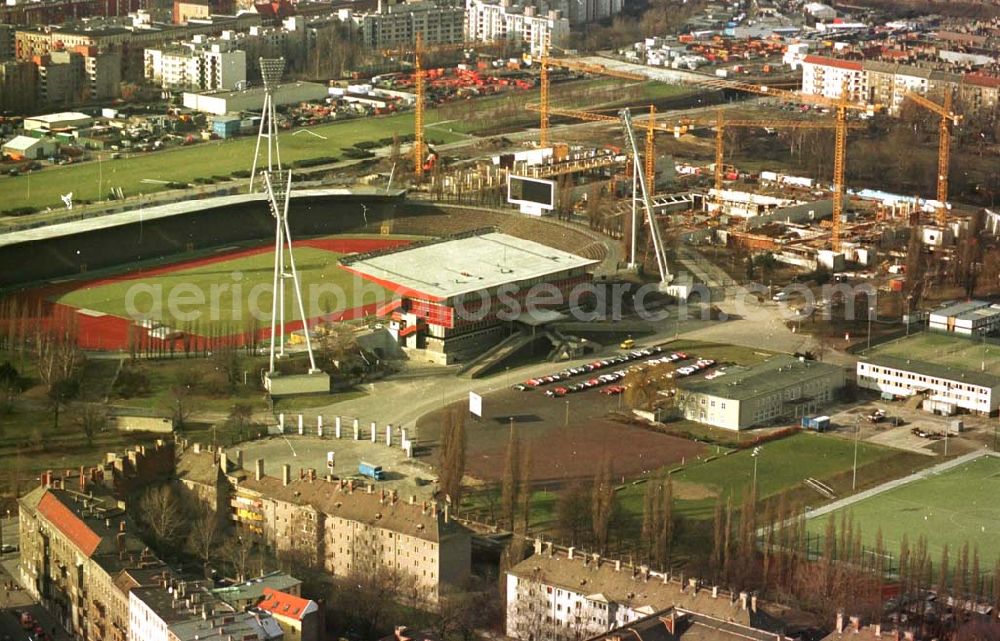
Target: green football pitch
[(233, 292), (954, 507)]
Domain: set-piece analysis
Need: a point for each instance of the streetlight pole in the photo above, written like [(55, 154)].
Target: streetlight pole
[(870, 311), (857, 436), (755, 455), (566, 422)]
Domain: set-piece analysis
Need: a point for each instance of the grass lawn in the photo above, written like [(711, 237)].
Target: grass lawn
[(948, 349), (233, 291), (92, 180), (954, 507)]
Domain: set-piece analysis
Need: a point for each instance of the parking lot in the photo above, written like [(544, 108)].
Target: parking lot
[(567, 433)]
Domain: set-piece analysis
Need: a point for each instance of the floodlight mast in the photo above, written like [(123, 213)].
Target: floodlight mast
[(271, 70)]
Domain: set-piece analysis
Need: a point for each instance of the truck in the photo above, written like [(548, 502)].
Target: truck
[(816, 423), (371, 471)]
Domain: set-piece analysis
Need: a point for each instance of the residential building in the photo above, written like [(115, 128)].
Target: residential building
[(102, 74), (945, 389), (486, 20), (780, 388), (980, 92), (60, 78), (395, 25), (580, 12), (178, 610), (7, 49), (250, 592), (971, 318), (18, 86), (184, 11), (29, 148), (299, 618), (889, 83), (343, 530), (677, 624), (827, 77), (565, 594), (78, 556), (217, 67), (201, 475)]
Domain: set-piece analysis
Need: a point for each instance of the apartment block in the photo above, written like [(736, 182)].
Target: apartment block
[(397, 25), (502, 20), (563, 594), (827, 77), (213, 68), (345, 529), (18, 86), (78, 557)]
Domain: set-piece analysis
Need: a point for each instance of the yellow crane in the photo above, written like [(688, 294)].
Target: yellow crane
[(573, 65), (948, 120), (419, 89)]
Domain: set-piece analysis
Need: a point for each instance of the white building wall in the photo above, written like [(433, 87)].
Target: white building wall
[(973, 398), (822, 80), (489, 21), (144, 623), (539, 608)]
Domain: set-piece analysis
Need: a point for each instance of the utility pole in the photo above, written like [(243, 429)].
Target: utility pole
[(857, 436)]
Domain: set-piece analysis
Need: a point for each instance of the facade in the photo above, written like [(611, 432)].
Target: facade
[(949, 390), (343, 530), (213, 68), (568, 596), (60, 78), (75, 548), (887, 83), (826, 77), (7, 50), (780, 388), (459, 294), (299, 618), (397, 25), (485, 21), (18, 86), (972, 318)]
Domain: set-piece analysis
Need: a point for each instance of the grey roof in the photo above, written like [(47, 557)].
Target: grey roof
[(969, 310), (969, 377), (253, 589), (772, 375), (456, 266)]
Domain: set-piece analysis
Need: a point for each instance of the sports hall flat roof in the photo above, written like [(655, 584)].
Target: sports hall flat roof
[(446, 269)]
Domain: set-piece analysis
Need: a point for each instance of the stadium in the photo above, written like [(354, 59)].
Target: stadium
[(116, 277)]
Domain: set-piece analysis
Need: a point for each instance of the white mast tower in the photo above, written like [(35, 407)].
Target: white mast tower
[(277, 184)]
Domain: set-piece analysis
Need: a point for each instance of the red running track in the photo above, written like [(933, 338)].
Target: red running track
[(112, 332)]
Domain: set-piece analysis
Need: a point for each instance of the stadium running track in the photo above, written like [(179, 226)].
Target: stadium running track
[(108, 332)]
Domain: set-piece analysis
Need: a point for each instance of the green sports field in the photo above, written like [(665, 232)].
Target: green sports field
[(949, 350), (957, 506), (782, 465), (230, 292)]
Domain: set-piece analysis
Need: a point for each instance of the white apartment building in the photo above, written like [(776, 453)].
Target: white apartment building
[(397, 25), (826, 77), (215, 67), (946, 388), (495, 21), (568, 595)]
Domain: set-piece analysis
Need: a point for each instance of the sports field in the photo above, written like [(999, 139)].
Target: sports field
[(954, 507), (781, 465), (233, 291), (949, 350)]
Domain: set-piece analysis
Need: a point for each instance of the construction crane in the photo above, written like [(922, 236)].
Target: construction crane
[(948, 120), (573, 65), (419, 88), (659, 248)]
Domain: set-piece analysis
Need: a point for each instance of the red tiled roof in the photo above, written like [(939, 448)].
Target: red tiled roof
[(69, 524), (284, 604), (833, 62), (982, 79)]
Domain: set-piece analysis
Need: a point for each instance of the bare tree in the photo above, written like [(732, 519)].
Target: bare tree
[(452, 456), (91, 419), (204, 537), (511, 475), (162, 513), (573, 512), (239, 550), (603, 504)]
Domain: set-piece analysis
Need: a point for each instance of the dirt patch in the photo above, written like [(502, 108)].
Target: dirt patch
[(693, 491)]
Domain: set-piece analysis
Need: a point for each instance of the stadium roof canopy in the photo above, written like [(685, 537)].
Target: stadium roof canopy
[(450, 268)]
